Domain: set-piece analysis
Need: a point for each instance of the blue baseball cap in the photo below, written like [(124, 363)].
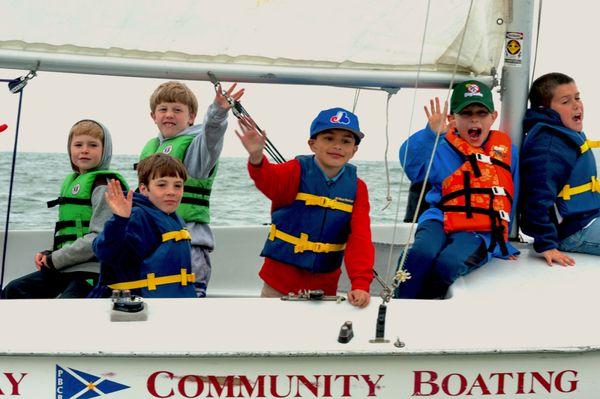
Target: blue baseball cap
[(336, 118)]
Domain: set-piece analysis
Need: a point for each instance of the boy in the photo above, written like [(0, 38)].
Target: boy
[(561, 195), (69, 270), (173, 108), (145, 247), (320, 211), (472, 192)]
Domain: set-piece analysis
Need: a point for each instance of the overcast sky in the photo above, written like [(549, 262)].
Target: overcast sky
[(53, 102)]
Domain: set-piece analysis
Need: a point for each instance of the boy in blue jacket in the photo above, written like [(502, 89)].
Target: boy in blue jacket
[(560, 205), (145, 247), (474, 180)]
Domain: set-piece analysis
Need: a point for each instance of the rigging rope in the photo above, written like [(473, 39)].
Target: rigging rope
[(537, 40), (388, 196), (410, 122), (401, 275), (12, 175), (356, 95)]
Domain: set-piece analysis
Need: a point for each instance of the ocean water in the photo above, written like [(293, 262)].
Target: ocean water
[(234, 201)]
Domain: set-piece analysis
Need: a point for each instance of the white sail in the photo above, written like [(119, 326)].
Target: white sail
[(124, 38)]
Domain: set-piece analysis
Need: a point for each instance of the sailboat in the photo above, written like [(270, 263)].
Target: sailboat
[(509, 329)]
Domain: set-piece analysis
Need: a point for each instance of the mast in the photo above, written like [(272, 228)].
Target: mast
[(514, 86)]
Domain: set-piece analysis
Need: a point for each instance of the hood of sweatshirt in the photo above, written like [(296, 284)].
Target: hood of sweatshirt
[(106, 149)]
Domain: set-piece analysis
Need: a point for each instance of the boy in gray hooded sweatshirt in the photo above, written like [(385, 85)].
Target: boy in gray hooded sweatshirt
[(173, 108), (70, 269)]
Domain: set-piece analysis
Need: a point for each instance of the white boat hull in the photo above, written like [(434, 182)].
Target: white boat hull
[(510, 329)]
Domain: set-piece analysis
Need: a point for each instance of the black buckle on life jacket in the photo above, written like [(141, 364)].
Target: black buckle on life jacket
[(67, 200)]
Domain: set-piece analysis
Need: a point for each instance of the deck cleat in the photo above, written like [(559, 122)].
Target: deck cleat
[(346, 333), (127, 307), (312, 295)]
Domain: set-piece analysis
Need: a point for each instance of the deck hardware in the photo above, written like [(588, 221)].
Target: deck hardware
[(346, 333), (312, 295), (380, 327), (239, 111), (16, 85), (127, 307), (398, 343)]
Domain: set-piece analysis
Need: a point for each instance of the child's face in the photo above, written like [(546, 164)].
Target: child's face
[(473, 123), (172, 118), (333, 149), (86, 152), (164, 192), (567, 102)]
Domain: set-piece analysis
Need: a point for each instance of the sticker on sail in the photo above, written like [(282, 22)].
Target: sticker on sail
[(513, 51)]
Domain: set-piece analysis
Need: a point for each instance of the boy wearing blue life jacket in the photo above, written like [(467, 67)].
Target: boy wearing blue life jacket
[(561, 193), (173, 108), (319, 211), (474, 178), (145, 247), (69, 269)]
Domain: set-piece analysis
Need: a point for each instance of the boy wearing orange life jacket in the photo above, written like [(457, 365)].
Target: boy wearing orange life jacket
[(474, 178)]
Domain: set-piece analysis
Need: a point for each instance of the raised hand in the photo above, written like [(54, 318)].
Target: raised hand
[(438, 118), (221, 99), (118, 203), (252, 140)]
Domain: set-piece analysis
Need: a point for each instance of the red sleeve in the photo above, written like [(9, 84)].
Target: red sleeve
[(278, 182), (360, 252)]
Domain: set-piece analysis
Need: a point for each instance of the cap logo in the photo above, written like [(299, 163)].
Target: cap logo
[(340, 117), (473, 90)]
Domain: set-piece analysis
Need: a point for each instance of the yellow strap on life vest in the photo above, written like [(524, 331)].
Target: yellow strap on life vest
[(568, 191), (324, 202), (589, 144), (177, 235), (302, 244), (152, 281)]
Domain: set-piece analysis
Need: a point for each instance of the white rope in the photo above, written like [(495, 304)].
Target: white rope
[(437, 138), (400, 184), (537, 39), (388, 197), (356, 95)]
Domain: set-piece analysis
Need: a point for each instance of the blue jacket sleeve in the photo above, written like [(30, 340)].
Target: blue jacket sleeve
[(125, 238), (415, 153), (546, 164)]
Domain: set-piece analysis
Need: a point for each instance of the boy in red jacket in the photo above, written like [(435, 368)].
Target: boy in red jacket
[(320, 211)]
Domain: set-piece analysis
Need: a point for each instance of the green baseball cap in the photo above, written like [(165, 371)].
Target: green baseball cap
[(471, 92)]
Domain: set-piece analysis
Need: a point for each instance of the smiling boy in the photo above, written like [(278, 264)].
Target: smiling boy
[(320, 211), (472, 193), (145, 247), (561, 192), (173, 108), (69, 270)]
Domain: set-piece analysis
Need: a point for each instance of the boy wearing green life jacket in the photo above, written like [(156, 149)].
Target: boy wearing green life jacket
[(69, 269), (173, 107)]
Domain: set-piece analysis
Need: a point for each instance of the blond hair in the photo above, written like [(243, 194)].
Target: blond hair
[(87, 127), (174, 92)]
